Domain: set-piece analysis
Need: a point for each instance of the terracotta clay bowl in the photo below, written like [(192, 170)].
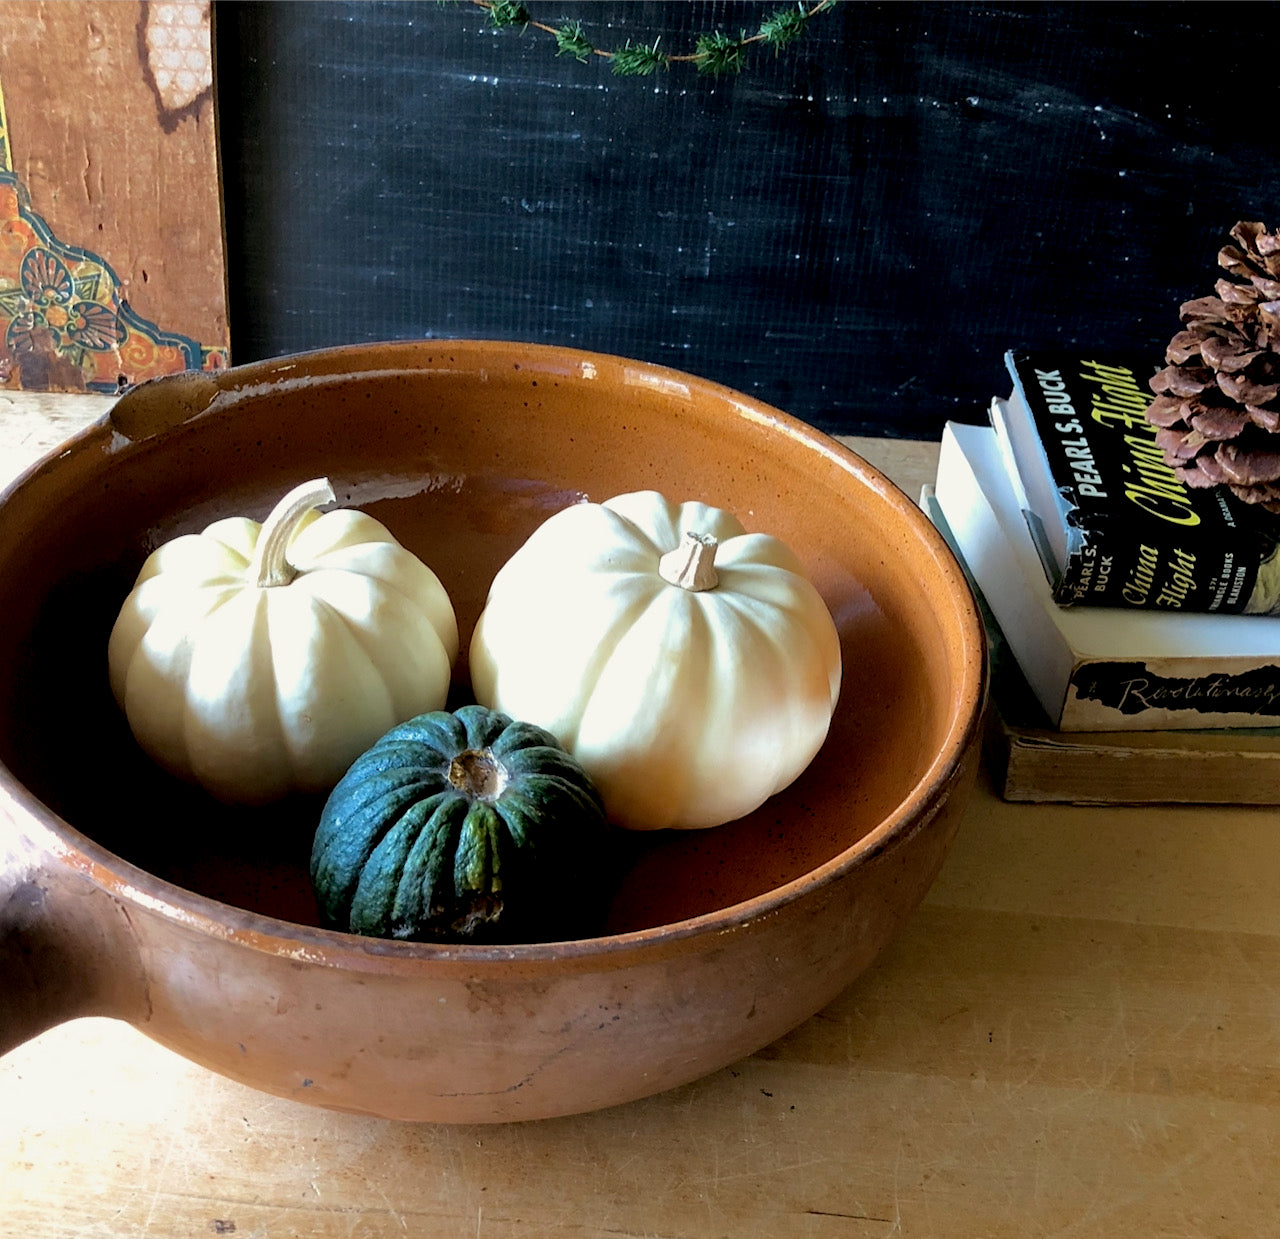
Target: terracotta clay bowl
[(125, 894)]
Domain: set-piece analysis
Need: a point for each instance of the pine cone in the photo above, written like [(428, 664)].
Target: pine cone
[(1217, 401)]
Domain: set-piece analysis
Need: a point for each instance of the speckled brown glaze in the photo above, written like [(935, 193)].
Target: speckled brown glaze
[(124, 894)]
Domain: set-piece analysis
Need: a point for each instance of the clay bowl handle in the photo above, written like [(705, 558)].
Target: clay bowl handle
[(65, 947)]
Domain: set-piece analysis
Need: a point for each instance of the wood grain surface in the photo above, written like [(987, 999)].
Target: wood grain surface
[(118, 152), (1077, 1035)]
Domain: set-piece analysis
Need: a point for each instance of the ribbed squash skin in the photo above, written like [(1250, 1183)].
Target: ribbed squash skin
[(402, 852)]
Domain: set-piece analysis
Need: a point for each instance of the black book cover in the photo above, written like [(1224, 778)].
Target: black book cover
[(1129, 532)]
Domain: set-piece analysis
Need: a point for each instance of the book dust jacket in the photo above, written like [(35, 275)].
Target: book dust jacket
[(1128, 531)]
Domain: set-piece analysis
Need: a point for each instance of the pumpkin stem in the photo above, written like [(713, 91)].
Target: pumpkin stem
[(269, 565), (692, 565), (478, 774)]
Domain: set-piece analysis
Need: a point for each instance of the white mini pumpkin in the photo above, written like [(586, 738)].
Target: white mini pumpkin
[(689, 666), (257, 660)]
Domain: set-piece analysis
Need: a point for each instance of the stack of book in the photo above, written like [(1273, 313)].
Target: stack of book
[(1135, 656)]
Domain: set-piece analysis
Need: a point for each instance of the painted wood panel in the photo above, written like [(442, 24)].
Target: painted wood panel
[(112, 262)]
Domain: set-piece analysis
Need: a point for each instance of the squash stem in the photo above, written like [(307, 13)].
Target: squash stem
[(478, 774), (269, 565), (692, 565)]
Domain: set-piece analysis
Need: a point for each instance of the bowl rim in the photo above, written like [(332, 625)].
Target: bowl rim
[(125, 880)]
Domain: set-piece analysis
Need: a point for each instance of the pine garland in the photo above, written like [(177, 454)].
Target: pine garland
[(715, 54)]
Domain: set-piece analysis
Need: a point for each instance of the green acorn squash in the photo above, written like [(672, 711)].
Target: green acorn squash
[(462, 826)]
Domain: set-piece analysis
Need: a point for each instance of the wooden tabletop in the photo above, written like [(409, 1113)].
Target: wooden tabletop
[(1077, 1034)]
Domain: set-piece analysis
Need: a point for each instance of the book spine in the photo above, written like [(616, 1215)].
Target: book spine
[(1170, 574), (1114, 694)]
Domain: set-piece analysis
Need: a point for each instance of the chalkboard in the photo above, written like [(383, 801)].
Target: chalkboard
[(854, 229)]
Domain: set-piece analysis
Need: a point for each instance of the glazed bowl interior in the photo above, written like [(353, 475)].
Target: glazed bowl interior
[(461, 450)]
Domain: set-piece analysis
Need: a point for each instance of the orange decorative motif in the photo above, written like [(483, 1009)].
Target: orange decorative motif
[(65, 325)]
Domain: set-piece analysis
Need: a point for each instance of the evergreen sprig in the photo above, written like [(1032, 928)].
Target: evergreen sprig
[(637, 60), (714, 54), (570, 41), (784, 27), (718, 54), (507, 13)]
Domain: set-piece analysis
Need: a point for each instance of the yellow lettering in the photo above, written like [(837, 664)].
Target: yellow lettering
[(1139, 581), (1157, 504)]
